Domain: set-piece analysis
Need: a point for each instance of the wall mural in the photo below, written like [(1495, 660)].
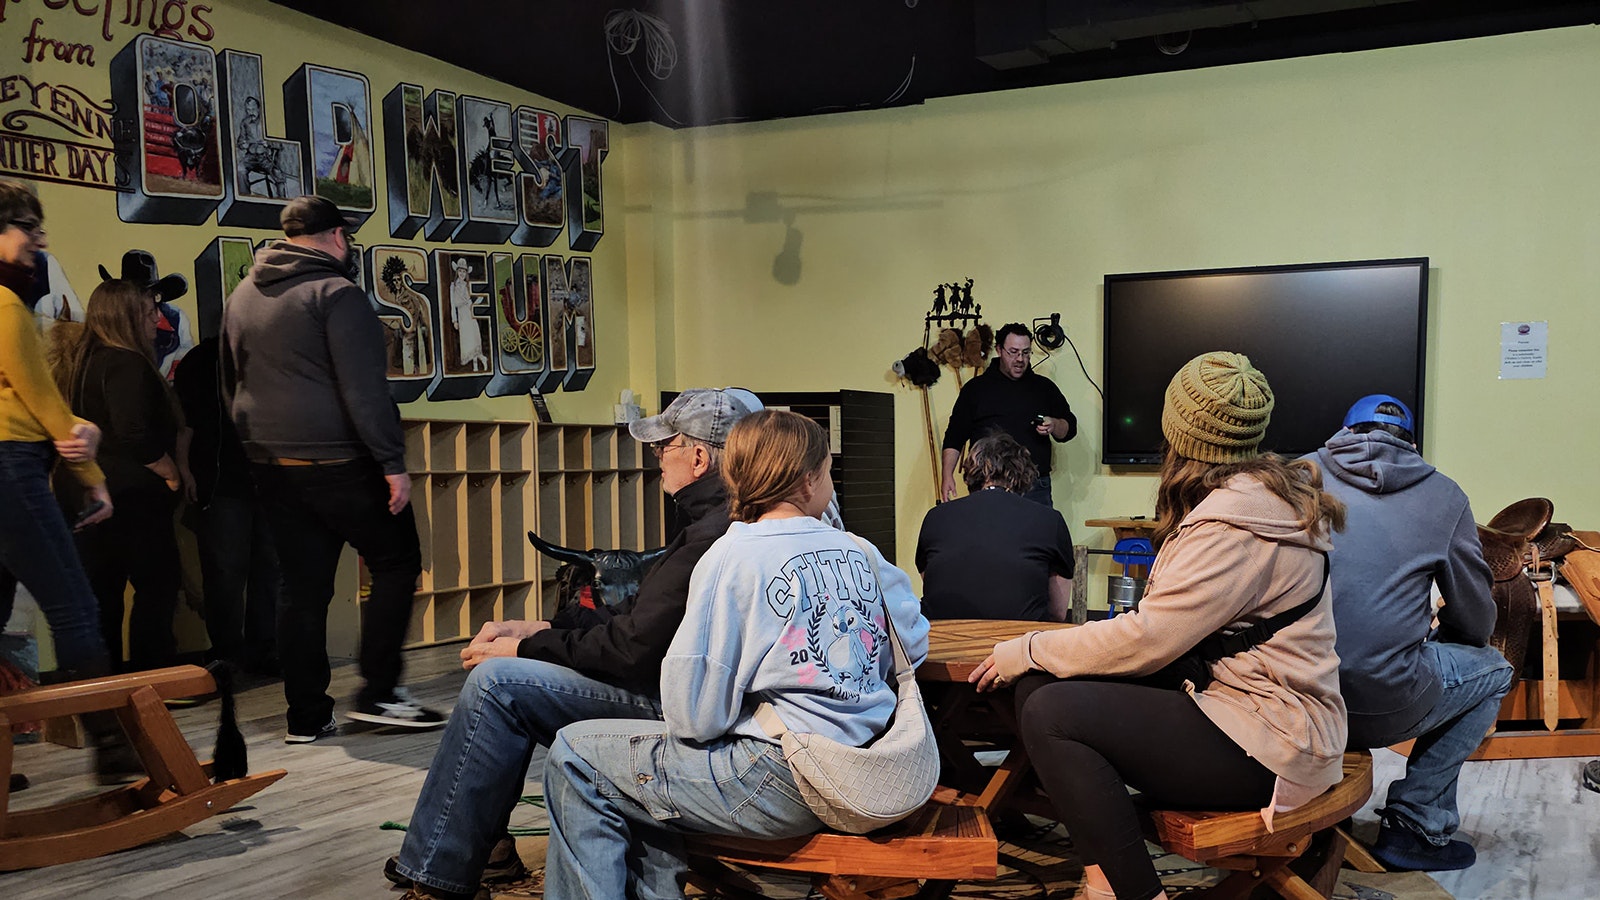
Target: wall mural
[(183, 136)]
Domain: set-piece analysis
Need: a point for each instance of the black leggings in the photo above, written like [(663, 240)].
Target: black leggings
[(1090, 740)]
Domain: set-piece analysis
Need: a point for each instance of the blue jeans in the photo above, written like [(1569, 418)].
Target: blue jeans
[(622, 793), (506, 709), (36, 547), (1040, 492), (1475, 679)]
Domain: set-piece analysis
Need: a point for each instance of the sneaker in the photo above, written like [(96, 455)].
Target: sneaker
[(18, 782), (1402, 850), (399, 710), (1591, 775), (504, 870), (329, 730)]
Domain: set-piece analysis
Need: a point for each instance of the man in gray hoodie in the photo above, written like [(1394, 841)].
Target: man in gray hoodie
[(1408, 527), (304, 378)]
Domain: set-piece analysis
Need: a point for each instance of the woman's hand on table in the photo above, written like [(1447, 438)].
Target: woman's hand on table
[(1009, 661)]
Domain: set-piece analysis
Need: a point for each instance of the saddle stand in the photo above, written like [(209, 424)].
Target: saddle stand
[(177, 792)]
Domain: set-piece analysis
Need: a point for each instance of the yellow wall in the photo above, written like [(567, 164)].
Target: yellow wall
[(1477, 154)]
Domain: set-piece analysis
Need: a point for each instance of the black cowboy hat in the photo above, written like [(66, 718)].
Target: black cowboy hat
[(139, 267)]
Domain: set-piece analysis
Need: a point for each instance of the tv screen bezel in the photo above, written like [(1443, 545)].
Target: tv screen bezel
[(1420, 263)]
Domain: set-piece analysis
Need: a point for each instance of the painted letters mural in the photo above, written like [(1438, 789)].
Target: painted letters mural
[(182, 137)]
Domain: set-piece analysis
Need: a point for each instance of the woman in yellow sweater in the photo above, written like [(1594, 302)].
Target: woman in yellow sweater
[(1261, 724), (36, 426)]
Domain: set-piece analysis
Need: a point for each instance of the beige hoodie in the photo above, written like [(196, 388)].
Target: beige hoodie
[(1236, 559)]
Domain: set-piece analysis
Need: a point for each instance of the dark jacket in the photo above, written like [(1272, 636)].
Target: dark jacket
[(304, 368), (1407, 526), (120, 391), (216, 458), (627, 650), (994, 402)]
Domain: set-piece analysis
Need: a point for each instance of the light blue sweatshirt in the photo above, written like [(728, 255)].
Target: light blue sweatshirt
[(787, 611)]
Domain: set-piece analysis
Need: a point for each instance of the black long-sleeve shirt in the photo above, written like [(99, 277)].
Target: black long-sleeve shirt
[(627, 649), (121, 391), (993, 402)]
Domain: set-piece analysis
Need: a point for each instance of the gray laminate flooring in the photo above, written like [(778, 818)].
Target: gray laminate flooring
[(316, 834)]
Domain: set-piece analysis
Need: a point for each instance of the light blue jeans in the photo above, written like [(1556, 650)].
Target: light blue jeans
[(1475, 680), (622, 793), (506, 709)]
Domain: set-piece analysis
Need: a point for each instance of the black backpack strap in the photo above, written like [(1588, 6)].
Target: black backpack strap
[(1222, 646)]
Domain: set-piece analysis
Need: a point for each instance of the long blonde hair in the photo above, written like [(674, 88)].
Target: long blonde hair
[(114, 317), (1185, 482), (768, 457)]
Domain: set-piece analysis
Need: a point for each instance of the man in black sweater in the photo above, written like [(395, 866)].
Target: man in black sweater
[(529, 679), (304, 375), (1012, 398)]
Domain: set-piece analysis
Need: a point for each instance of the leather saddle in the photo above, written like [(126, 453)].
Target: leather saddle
[(1518, 544)]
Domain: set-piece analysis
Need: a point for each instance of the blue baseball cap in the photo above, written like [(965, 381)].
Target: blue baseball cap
[(1366, 410)]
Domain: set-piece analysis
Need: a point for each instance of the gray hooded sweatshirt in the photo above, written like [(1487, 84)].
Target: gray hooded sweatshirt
[(304, 364), (1407, 525)]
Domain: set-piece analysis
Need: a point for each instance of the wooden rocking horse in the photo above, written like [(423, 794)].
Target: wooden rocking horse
[(177, 792)]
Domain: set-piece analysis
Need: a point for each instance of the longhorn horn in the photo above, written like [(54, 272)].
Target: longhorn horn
[(563, 554), (648, 557)]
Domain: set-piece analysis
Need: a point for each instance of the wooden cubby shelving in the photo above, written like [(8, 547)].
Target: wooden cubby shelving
[(477, 488)]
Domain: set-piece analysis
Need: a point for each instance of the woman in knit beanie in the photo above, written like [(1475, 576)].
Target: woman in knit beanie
[(1243, 538)]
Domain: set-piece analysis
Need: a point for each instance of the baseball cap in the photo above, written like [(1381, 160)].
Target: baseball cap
[(312, 214), (1366, 410), (705, 414)]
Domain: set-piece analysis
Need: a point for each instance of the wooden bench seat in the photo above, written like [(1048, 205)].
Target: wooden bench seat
[(948, 840), (176, 793), (1240, 841)]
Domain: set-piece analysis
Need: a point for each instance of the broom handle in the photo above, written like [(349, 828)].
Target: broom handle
[(933, 447)]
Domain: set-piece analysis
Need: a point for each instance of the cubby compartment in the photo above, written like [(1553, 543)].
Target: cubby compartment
[(651, 499), (603, 448), (575, 521), (481, 440), (422, 511), (416, 446), (514, 601), (628, 513), (483, 605), (419, 628), (550, 448), (449, 608), (603, 511), (628, 450), (448, 502), (514, 448), (551, 509), (575, 448), (446, 450), (511, 533), (483, 501)]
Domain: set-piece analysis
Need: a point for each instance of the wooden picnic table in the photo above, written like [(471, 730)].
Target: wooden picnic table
[(964, 719)]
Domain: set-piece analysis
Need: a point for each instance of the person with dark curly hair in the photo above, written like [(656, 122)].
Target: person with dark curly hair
[(994, 554)]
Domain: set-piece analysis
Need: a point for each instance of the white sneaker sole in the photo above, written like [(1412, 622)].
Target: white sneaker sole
[(398, 723)]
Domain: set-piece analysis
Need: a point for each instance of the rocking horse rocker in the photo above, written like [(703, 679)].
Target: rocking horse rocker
[(177, 792)]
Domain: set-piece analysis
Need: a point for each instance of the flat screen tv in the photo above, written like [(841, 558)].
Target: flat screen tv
[(1324, 334)]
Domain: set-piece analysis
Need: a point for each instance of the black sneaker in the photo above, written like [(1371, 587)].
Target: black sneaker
[(1402, 850), (329, 730), (399, 710), (504, 869)]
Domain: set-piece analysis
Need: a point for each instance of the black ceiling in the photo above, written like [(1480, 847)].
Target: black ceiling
[(701, 62)]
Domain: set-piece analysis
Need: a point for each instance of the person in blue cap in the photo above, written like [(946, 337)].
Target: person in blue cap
[(1409, 669)]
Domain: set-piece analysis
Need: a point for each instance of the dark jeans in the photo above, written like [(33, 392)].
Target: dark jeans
[(36, 549), (240, 577), (313, 512), (1040, 492), (137, 546), (1090, 740)]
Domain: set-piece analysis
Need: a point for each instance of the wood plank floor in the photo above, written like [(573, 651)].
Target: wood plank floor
[(315, 833)]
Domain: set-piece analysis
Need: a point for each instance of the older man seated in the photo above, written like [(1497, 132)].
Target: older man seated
[(993, 554)]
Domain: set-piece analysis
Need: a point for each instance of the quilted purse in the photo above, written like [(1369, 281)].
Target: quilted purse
[(862, 789)]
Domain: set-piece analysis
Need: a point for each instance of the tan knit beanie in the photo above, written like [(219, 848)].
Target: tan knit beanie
[(1217, 408)]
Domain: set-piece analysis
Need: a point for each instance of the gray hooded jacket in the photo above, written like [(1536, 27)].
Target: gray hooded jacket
[(1407, 525), (304, 363)]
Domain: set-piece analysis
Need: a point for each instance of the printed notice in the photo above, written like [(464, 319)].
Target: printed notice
[(1524, 349)]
